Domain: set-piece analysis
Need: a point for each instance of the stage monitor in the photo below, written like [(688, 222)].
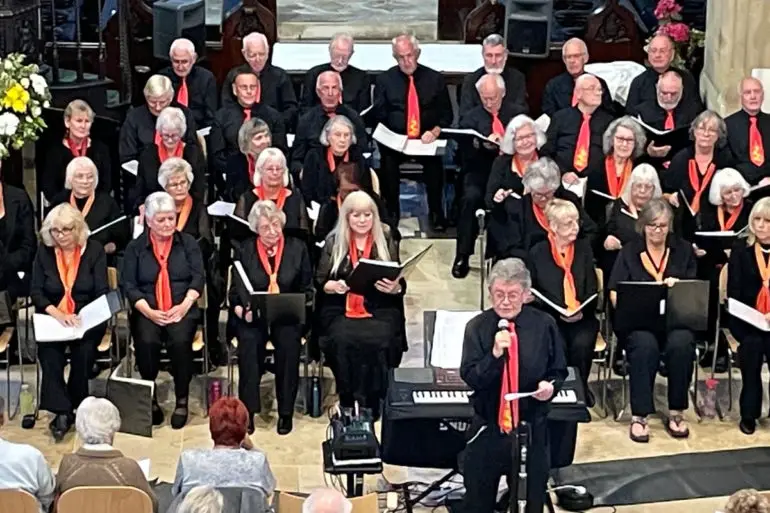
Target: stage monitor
[(528, 27), (173, 19)]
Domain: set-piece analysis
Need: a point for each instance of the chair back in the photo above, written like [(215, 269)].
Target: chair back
[(18, 501), (288, 503), (100, 499), (599, 287), (366, 504), (112, 278)]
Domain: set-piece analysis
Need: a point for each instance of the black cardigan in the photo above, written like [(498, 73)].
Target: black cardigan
[(628, 266), (18, 240), (318, 182), (104, 210), (147, 175), (743, 284), (58, 156)]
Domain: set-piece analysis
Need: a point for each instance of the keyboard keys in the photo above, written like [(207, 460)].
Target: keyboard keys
[(441, 396)]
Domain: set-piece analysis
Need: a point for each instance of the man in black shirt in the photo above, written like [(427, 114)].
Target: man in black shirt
[(528, 346), (748, 134), (357, 86), (559, 92), (495, 56), (194, 86)]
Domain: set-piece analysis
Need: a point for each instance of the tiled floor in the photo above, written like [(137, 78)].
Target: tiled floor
[(296, 459)]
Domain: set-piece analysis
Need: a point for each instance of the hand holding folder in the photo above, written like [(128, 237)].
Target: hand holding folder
[(368, 272), (662, 306)]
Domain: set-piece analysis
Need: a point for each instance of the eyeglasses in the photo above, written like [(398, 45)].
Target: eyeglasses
[(177, 185), (58, 232), (624, 140), (657, 227), (642, 187), (707, 130), (542, 195), (172, 136), (524, 137), (512, 297)]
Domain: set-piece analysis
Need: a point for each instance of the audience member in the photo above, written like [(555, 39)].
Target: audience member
[(327, 500), (202, 499)]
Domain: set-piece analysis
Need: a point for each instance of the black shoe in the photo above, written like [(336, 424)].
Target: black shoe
[(285, 424), (721, 365), (590, 399), (157, 414), (251, 423), (59, 426), (438, 223), (179, 417), (461, 267), (748, 426)]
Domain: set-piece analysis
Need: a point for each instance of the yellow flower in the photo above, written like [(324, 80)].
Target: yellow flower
[(16, 98)]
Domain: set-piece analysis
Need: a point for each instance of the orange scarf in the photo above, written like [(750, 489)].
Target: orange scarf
[(272, 274), (354, 303), (164, 154), (541, 218), (330, 159), (412, 111), (184, 213), (80, 150), (763, 298), (67, 275), (669, 123), (731, 220), (756, 149), (182, 96), (583, 145), (162, 250), (279, 201), (497, 125), (615, 183), (508, 411), (89, 203), (656, 271), (519, 167), (564, 261), (699, 183)]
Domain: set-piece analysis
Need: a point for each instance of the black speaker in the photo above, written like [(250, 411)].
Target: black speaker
[(528, 27)]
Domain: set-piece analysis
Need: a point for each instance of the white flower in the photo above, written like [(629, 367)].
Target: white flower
[(36, 112), (39, 84), (9, 123), (46, 104), (8, 65), (25, 83)]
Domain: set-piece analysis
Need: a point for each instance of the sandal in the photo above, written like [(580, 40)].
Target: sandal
[(677, 420), (640, 439)]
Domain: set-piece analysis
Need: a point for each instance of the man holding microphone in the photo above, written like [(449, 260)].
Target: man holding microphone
[(510, 348)]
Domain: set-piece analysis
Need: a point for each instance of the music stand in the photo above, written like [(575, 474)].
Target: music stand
[(354, 474)]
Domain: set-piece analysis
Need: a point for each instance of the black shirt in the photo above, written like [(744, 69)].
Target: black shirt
[(138, 131), (743, 283), (738, 141), (515, 98), (503, 177), (478, 156), (709, 220), (276, 91), (297, 224), (104, 210), (19, 239), (140, 269), (541, 358), (356, 88), (390, 99), (654, 115), (643, 89), (47, 289), (628, 266), (59, 156), (319, 182), (620, 223), (198, 226), (147, 174), (559, 90), (201, 93), (677, 177), (309, 129)]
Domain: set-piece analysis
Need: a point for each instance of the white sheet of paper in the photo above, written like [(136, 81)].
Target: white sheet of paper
[(290, 140), (465, 131), (320, 243), (417, 148), (543, 122), (366, 110), (221, 209), (447, 349), (367, 154), (578, 188), (20, 274), (203, 132), (236, 218), (603, 194), (654, 130), (519, 395), (392, 140), (138, 228), (313, 209), (728, 233), (48, 329), (105, 226), (145, 466), (748, 314), (563, 311), (132, 166), (244, 277)]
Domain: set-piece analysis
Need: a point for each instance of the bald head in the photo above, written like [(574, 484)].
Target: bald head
[(328, 87), (752, 95), (574, 53), (669, 90), (255, 51), (326, 500), (660, 52), (588, 91), (491, 88)]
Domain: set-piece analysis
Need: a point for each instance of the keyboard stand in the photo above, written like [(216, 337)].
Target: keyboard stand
[(410, 503)]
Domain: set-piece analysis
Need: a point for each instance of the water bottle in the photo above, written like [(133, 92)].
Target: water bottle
[(215, 391), (315, 397), (27, 407), (709, 409)]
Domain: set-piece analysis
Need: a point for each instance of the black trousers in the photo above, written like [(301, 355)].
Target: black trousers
[(580, 339), (390, 180), (754, 348), (178, 338), (474, 188), (489, 455), (644, 350), (252, 339), (56, 395)]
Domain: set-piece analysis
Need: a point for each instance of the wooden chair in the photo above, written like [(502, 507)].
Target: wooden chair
[(375, 182), (288, 503), (18, 501), (101, 499), (601, 357)]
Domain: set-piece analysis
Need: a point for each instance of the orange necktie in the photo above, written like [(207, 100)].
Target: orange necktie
[(497, 125), (763, 298), (580, 160), (67, 275), (354, 303), (162, 250), (182, 95), (412, 111), (669, 123), (272, 273), (508, 411), (756, 150)]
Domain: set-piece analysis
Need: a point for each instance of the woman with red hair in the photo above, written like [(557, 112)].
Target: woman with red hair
[(233, 462)]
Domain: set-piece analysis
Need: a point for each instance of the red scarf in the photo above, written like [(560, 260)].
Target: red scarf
[(330, 159), (412, 111), (78, 150), (763, 298), (279, 201), (615, 183), (564, 261), (184, 213), (699, 183), (583, 145), (655, 270), (756, 148), (508, 411), (164, 154), (162, 250), (67, 275), (272, 274), (252, 164), (354, 303), (731, 220), (541, 218), (89, 203)]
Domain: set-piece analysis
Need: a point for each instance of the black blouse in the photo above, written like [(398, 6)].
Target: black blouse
[(58, 156), (677, 176), (318, 182), (743, 282), (199, 226), (628, 266), (147, 175), (502, 177), (47, 289), (294, 207), (138, 131), (548, 277), (709, 220), (738, 126), (621, 224), (103, 210), (18, 240)]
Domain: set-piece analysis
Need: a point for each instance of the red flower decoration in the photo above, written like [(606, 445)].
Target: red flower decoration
[(679, 32), (666, 9)]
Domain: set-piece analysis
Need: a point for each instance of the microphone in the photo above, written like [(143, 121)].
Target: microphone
[(480, 214), (502, 325)]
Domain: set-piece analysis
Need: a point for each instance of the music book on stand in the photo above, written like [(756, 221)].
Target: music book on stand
[(367, 272), (133, 399), (282, 308), (712, 241), (687, 305), (560, 309), (643, 306), (747, 314), (461, 133)]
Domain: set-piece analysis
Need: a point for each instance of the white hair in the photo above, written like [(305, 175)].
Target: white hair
[(158, 86), (510, 270), (727, 178), (341, 36), (574, 41), (158, 203), (61, 216), (80, 163), (498, 80), (173, 166), (746, 79), (542, 174), (202, 499), (184, 45), (360, 201), (493, 40), (337, 75), (328, 498), (409, 37), (331, 123), (508, 146), (629, 123), (582, 79), (173, 118), (267, 155), (267, 209), (97, 421), (643, 173), (255, 38)]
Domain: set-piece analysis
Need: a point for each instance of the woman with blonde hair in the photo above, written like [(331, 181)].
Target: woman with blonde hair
[(69, 272), (361, 331)]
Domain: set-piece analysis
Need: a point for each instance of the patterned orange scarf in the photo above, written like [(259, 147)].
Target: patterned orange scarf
[(264, 259)]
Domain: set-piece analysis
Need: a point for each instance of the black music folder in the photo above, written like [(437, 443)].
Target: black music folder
[(715, 241), (367, 272), (282, 308), (133, 399), (677, 138), (654, 306)]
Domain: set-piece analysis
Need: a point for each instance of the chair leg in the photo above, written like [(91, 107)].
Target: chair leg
[(729, 380), (624, 404), (205, 366), (696, 407)]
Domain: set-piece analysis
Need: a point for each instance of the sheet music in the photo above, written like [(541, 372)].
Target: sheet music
[(290, 140), (244, 277), (138, 228), (603, 194), (105, 226), (240, 220), (392, 140), (48, 329), (221, 209), (543, 122), (132, 166), (747, 314), (727, 233), (145, 466), (563, 311), (687, 203), (313, 210), (203, 132), (417, 148), (448, 336), (655, 131), (467, 131), (578, 188)]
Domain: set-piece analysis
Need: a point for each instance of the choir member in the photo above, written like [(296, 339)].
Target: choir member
[(176, 177), (728, 206), (77, 142), (17, 239), (361, 334), (660, 54), (253, 138), (747, 282), (748, 133), (69, 272), (338, 143), (274, 263), (658, 256), (562, 270), (170, 142), (223, 139), (138, 130), (489, 118), (328, 87), (524, 223), (162, 277), (276, 89), (81, 191), (560, 91), (272, 182), (574, 136), (495, 57), (357, 86), (412, 99), (194, 86), (529, 347)]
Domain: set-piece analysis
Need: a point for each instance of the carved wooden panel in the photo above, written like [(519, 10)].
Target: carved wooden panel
[(252, 16), (488, 18), (612, 34), (451, 18)]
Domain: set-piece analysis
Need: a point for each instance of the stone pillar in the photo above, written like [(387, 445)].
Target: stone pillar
[(737, 41)]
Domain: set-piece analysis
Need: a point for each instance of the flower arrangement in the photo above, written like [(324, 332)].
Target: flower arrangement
[(23, 95), (686, 39)]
